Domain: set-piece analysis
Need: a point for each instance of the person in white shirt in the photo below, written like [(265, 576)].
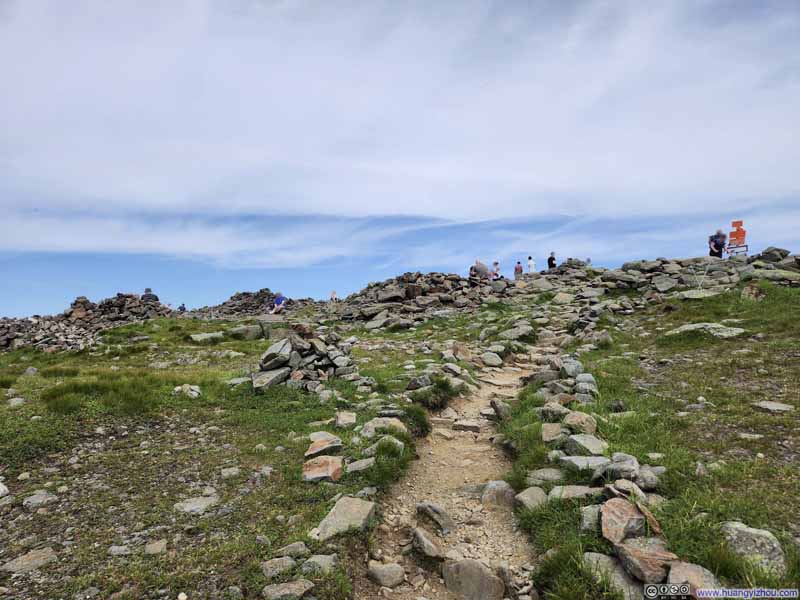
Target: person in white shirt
[(531, 264)]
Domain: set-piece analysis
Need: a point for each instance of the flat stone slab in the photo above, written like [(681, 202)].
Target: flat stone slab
[(31, 561), (570, 492), (197, 505), (609, 569), (716, 329), (646, 559), (773, 407), (621, 519), (320, 447), (360, 465), (294, 590), (583, 444), (531, 498), (540, 476), (371, 427), (345, 419), (470, 579), (323, 468), (348, 513), (467, 425)]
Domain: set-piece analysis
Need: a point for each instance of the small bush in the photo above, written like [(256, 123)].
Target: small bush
[(390, 461), (437, 396), (418, 420), (7, 381)]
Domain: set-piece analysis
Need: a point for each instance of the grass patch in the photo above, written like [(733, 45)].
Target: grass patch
[(55, 372), (417, 418), (117, 394), (7, 381), (437, 396)]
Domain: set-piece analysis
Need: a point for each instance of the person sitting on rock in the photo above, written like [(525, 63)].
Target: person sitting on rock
[(278, 304), (716, 243), (182, 308), (518, 270), (480, 269), (551, 261), (149, 296), (495, 274)]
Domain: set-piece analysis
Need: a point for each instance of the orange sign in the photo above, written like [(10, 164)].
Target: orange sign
[(738, 235)]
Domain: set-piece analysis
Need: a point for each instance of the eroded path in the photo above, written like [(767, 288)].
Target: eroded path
[(453, 467)]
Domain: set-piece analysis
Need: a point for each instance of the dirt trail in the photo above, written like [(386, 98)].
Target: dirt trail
[(451, 465)]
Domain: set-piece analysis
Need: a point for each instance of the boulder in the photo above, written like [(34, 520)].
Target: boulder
[(583, 444), (386, 575), (758, 546), (469, 579), (265, 379), (531, 498), (580, 422), (424, 543), (294, 590), (621, 519), (35, 559), (646, 558), (348, 513), (607, 568), (696, 576), (497, 494), (323, 468), (491, 359)]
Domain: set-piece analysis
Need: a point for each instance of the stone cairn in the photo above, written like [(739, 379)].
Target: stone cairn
[(403, 301), (79, 326)]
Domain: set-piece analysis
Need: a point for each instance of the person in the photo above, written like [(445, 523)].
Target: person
[(495, 270), (149, 296), (334, 298), (278, 304), (551, 261), (716, 244), (518, 270), (531, 264), (182, 307), (481, 270)]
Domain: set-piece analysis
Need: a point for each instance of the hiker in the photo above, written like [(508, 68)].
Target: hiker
[(551, 261), (334, 298), (496, 270), (531, 265), (279, 304), (182, 308), (481, 270), (716, 244), (149, 296), (518, 270)]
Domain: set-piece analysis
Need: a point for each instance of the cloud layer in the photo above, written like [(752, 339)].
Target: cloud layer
[(176, 128)]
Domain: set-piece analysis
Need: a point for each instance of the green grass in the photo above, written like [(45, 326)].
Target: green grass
[(437, 396)]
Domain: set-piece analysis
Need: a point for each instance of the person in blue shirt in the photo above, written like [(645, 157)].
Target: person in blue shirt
[(278, 304)]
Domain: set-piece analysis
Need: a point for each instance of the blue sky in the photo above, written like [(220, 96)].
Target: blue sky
[(202, 147)]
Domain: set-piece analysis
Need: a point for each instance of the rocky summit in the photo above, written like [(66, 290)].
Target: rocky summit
[(580, 432)]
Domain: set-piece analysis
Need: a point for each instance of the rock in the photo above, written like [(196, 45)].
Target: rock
[(467, 425), (390, 575), (3, 490), (621, 519), (606, 568), (569, 492), (552, 432), (531, 498), (773, 407), (320, 564), (438, 515), (622, 466), (425, 544), (696, 576), (202, 338), (295, 550), (348, 513), (501, 409), (277, 355), (229, 472), (469, 579), (345, 419), (585, 463), (758, 546), (416, 383), (197, 505), (15, 402), (371, 427), (553, 412), (360, 465), (38, 499), (277, 566), (266, 379), (497, 494), (571, 368), (35, 559), (716, 329), (387, 440), (294, 590), (540, 476), (516, 333), (583, 444), (563, 298), (491, 359), (697, 294), (330, 445), (590, 518), (664, 283), (646, 559), (323, 468), (155, 547), (580, 422)]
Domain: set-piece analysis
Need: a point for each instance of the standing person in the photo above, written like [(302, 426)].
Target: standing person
[(531, 265), (551, 261), (334, 297), (496, 270), (716, 244), (518, 270), (279, 304), (182, 307)]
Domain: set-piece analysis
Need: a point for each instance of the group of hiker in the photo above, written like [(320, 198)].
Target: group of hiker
[(480, 271)]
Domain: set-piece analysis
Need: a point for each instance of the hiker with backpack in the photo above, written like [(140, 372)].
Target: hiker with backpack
[(717, 243)]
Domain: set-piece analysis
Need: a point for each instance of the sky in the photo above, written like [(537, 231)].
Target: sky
[(205, 147)]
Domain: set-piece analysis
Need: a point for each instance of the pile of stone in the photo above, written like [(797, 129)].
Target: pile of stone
[(413, 297), (306, 362), (79, 326)]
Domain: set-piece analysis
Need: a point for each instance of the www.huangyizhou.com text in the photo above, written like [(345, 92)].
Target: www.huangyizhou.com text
[(748, 594)]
